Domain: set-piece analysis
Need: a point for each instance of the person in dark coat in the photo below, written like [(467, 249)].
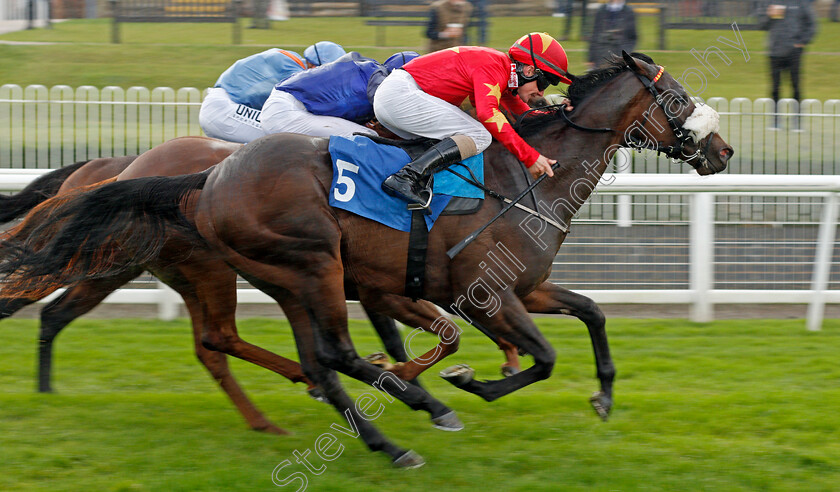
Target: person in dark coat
[(614, 30), (791, 24)]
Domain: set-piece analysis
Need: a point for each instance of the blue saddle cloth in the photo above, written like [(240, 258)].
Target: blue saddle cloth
[(360, 165)]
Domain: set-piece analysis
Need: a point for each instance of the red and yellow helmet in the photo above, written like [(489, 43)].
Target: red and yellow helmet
[(543, 52)]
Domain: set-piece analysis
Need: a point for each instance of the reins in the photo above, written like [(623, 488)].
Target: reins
[(473, 180), (467, 240), (561, 108), (682, 137)]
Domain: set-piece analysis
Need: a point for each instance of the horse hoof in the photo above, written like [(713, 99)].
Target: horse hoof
[(316, 394), (458, 375), (409, 460), (380, 360), (448, 422), (508, 371), (377, 358), (602, 404)]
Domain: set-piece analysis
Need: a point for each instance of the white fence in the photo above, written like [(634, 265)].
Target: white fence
[(25, 13), (703, 260), (44, 127)]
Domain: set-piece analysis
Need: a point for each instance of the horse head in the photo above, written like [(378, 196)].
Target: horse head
[(678, 127)]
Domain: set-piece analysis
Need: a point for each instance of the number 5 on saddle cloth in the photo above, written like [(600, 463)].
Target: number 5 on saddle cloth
[(359, 167)]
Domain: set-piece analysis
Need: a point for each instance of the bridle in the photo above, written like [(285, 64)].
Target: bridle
[(682, 137)]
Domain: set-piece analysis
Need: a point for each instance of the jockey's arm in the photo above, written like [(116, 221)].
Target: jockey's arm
[(488, 93)]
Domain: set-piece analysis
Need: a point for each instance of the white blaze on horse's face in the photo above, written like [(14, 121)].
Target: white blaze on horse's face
[(703, 121)]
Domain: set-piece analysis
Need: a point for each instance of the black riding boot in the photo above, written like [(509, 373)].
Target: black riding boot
[(409, 182)]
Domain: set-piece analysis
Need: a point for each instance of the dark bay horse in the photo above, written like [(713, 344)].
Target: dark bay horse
[(264, 210)]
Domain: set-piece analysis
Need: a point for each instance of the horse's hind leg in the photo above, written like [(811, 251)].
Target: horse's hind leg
[(11, 305), (320, 290), (217, 365), (552, 299), (214, 285), (76, 301), (325, 303), (327, 379)]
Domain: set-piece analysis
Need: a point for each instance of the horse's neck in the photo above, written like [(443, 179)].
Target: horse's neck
[(583, 156)]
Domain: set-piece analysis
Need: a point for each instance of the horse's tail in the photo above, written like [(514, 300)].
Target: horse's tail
[(42, 222), (44, 187), (97, 232)]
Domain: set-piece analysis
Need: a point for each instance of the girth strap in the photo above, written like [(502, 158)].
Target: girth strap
[(418, 244)]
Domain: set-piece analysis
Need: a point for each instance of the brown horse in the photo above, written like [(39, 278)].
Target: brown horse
[(176, 157), (264, 210)]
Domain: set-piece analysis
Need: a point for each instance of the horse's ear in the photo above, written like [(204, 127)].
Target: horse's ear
[(631, 62)]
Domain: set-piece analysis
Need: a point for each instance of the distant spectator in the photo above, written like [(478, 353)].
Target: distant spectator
[(480, 14), (614, 30), (448, 21), (834, 8), (791, 25)]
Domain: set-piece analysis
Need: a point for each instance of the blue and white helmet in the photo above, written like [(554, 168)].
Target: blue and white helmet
[(323, 52), (397, 60)]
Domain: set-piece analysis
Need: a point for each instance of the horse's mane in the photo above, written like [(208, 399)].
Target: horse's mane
[(586, 84), (581, 88)]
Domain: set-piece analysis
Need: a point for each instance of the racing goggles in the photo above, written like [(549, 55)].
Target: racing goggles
[(544, 79)]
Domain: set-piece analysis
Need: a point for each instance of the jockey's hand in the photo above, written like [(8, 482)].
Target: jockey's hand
[(568, 104), (542, 166)]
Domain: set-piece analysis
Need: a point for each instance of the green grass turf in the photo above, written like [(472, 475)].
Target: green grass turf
[(193, 55), (732, 405)]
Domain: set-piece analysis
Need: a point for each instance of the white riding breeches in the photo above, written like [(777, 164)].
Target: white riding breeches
[(282, 112), (222, 118), (402, 107)]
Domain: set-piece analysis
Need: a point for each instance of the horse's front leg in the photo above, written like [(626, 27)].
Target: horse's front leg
[(423, 315), (510, 321), (552, 299)]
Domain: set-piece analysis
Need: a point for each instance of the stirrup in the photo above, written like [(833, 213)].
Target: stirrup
[(419, 206)]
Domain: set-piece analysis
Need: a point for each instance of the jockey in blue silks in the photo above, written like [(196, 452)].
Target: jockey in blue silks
[(334, 99), (231, 109)]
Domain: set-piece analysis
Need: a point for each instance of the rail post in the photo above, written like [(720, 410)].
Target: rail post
[(701, 253), (822, 263)]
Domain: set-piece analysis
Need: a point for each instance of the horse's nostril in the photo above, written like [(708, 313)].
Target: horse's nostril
[(726, 154)]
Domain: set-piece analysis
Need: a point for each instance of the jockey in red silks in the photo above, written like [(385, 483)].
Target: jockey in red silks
[(422, 100)]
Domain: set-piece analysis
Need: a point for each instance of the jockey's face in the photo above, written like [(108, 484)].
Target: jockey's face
[(530, 93)]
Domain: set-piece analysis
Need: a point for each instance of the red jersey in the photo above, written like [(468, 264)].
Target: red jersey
[(482, 75)]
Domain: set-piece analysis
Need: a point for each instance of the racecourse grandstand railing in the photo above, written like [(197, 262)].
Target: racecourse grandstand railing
[(44, 127)]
